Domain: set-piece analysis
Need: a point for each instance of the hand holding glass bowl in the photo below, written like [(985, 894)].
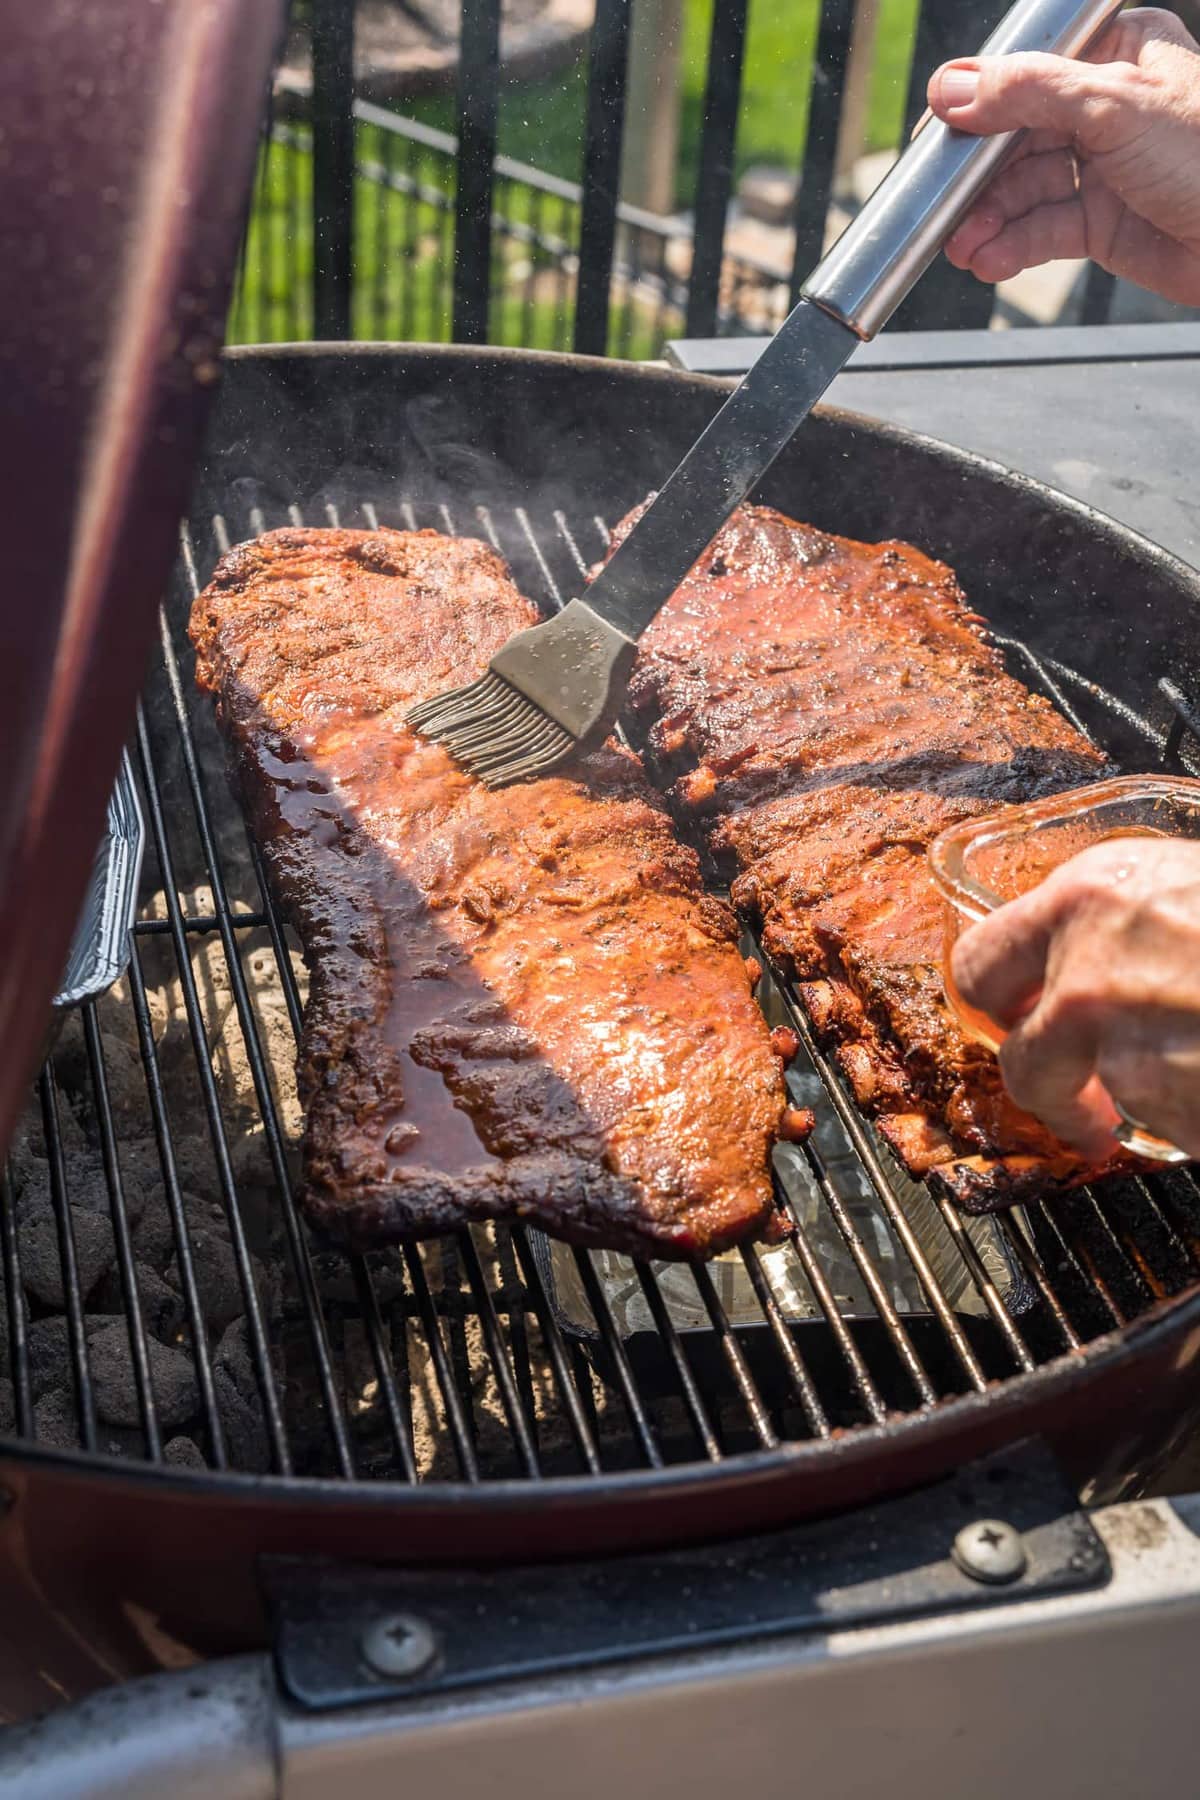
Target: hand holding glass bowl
[(983, 864)]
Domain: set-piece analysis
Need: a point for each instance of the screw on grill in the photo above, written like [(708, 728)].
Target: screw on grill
[(398, 1646), (990, 1550)]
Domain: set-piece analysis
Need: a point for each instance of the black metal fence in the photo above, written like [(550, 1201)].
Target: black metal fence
[(368, 224), (402, 283)]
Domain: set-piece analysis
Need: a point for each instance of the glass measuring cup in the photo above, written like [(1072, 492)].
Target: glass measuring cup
[(983, 863)]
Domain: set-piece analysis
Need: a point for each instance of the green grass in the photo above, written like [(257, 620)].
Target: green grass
[(402, 261), (403, 246), (542, 122)]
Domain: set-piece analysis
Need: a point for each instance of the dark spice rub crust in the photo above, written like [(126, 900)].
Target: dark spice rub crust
[(522, 1004), (819, 710)]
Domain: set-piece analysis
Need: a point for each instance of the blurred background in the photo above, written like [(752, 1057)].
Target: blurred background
[(599, 174)]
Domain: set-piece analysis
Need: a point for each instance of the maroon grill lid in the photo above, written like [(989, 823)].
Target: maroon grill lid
[(127, 140)]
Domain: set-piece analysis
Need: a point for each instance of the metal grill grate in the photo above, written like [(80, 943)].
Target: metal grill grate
[(165, 1300)]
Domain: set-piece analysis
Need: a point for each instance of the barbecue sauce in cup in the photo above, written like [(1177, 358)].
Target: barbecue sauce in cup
[(984, 863), (1025, 870)]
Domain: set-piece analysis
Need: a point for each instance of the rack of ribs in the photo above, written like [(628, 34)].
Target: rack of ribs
[(818, 710), (522, 1005)]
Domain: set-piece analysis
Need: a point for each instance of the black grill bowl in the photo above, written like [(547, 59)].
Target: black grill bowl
[(1098, 1357)]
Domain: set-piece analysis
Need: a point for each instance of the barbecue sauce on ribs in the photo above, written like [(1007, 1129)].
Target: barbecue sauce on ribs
[(522, 1005), (818, 710)]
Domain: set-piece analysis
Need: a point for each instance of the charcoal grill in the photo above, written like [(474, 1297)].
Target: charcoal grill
[(197, 1466), (491, 1398)]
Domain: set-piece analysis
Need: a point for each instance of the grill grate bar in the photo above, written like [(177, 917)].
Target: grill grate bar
[(815, 1275), (174, 1198), (1146, 1284), (523, 1429), (869, 1157), (14, 1293), (689, 1387), (456, 1417), (256, 1328), (1184, 1227), (198, 923), (297, 1241), (531, 538), (986, 1287), (563, 527), (1033, 1266), (880, 1298), (1161, 1213), (399, 1416), (139, 1348), (577, 1410), (511, 1299), (801, 1381), (76, 1330), (760, 1418), (631, 1395), (1037, 668), (1082, 1263)]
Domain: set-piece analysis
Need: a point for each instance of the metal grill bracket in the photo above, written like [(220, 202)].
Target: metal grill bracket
[(883, 1563)]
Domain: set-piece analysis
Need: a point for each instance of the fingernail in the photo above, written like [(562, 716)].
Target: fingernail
[(958, 88)]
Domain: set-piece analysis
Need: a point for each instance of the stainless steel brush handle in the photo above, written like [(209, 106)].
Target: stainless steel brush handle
[(883, 253)]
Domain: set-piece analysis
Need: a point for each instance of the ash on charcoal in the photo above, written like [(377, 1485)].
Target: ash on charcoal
[(8, 1405), (162, 1306), (41, 1266), (250, 1159), (50, 1353), (86, 1183), (141, 1175), (154, 1236), (213, 1259), (182, 1453), (56, 1420), (195, 1168), (172, 1376), (240, 1403), (216, 1276), (124, 1076)]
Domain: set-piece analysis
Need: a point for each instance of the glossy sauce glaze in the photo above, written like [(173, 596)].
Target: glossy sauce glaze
[(819, 711), (522, 1004)]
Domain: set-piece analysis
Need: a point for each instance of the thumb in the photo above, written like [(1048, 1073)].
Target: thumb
[(1082, 102)]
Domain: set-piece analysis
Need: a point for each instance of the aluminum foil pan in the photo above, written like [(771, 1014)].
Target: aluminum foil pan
[(100, 948)]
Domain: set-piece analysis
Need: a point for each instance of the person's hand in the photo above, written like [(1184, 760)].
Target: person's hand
[(1096, 973), (1110, 168)]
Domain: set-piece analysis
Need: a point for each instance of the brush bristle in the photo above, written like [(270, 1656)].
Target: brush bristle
[(493, 731)]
